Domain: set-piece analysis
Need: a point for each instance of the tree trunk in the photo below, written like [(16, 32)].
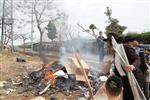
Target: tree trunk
[(40, 44), (24, 45)]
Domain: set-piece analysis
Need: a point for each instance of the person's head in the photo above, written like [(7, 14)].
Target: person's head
[(131, 41), (136, 43), (113, 86), (100, 33)]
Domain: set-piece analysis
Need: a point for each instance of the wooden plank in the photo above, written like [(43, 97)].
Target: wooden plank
[(78, 65), (73, 70), (82, 66)]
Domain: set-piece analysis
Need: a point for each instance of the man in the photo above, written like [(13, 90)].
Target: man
[(144, 68), (136, 45), (148, 56), (100, 43), (113, 88), (134, 66), (140, 52), (147, 75)]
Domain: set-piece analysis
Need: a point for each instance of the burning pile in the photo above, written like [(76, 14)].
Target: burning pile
[(73, 76)]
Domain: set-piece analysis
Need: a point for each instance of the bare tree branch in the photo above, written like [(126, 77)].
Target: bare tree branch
[(87, 31)]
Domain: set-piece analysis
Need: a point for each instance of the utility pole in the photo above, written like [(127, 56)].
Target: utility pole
[(32, 27), (12, 40), (3, 18), (7, 21)]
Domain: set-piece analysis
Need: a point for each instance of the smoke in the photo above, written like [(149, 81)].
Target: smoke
[(87, 48)]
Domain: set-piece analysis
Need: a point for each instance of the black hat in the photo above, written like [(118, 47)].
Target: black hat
[(128, 39)]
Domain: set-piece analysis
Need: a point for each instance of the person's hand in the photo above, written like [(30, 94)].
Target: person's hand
[(111, 73), (111, 61), (129, 68)]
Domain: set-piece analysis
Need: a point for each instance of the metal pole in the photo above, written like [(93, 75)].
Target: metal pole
[(12, 40), (3, 18), (32, 28)]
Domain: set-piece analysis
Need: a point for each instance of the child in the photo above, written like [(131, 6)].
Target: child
[(113, 88)]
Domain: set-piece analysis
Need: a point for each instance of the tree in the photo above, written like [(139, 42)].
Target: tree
[(24, 37), (65, 30), (52, 32), (19, 8), (113, 27), (7, 36), (39, 11)]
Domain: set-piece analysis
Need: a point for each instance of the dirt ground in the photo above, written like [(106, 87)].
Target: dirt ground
[(9, 68)]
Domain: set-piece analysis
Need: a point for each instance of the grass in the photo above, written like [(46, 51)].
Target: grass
[(9, 56), (9, 67)]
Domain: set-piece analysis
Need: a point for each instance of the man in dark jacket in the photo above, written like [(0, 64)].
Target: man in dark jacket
[(100, 42), (134, 61)]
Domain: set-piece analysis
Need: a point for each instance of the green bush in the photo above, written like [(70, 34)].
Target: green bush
[(143, 37)]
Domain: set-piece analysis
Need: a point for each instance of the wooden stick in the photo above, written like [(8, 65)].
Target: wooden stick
[(85, 75), (94, 35)]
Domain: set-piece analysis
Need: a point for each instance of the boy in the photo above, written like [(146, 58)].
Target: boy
[(113, 88)]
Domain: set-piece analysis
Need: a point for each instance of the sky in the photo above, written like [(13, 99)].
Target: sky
[(135, 14)]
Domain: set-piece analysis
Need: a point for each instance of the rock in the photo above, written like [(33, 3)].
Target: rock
[(19, 59), (38, 98)]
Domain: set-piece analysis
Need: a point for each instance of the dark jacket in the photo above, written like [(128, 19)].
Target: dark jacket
[(133, 59), (143, 65)]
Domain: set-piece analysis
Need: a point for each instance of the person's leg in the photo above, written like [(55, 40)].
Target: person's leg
[(127, 92), (101, 51)]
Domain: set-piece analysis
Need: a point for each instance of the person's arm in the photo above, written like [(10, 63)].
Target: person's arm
[(134, 60)]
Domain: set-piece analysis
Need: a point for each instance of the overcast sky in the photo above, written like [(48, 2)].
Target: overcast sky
[(135, 14)]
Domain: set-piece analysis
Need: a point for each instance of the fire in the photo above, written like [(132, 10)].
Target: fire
[(50, 76)]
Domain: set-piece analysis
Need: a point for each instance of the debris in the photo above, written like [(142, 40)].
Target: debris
[(19, 59), (17, 80), (60, 73), (10, 90), (103, 78), (46, 88), (2, 83), (54, 77)]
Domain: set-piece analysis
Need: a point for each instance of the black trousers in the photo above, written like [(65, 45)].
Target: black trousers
[(127, 92)]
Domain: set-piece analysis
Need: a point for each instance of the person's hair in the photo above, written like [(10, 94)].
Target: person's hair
[(128, 39), (109, 36), (114, 85)]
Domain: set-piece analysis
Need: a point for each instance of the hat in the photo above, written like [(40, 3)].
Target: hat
[(129, 39)]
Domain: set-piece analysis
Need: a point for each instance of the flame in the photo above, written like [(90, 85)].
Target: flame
[(50, 76)]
